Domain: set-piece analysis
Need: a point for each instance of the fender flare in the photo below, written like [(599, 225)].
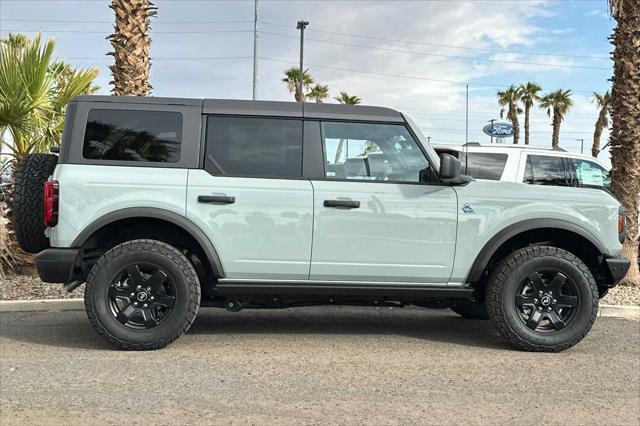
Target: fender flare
[(156, 213), (490, 248)]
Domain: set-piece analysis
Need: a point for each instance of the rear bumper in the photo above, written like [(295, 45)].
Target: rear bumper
[(617, 267), (57, 265)]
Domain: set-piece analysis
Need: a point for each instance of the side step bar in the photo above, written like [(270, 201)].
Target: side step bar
[(337, 289)]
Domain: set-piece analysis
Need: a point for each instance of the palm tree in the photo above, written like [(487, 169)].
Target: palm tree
[(319, 92), (604, 103), (510, 98), (292, 79), (625, 122), (529, 94), (34, 92), (558, 102), (345, 99), (131, 43)]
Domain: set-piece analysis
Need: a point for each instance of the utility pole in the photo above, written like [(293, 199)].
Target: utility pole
[(492, 121), (255, 49), (581, 145), (301, 26), (466, 133), (429, 140)]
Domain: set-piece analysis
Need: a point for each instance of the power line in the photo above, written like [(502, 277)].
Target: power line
[(400, 75), (386, 49), (442, 45)]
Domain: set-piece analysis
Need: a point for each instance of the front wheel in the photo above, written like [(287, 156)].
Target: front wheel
[(542, 298), (142, 295)]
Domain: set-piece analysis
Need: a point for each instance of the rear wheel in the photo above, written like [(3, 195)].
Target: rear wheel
[(542, 298), (142, 294)]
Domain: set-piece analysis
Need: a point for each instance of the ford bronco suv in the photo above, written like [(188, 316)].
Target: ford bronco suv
[(162, 206)]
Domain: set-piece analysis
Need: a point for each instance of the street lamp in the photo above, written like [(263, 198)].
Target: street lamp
[(301, 26)]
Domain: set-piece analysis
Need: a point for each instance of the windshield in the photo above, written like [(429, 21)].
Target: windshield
[(433, 156)]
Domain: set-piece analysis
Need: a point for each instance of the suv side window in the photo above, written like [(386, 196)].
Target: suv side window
[(368, 151), (483, 165), (254, 147), (123, 135), (589, 174), (545, 170)]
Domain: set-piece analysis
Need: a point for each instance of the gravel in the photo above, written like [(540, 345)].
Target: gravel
[(29, 287)]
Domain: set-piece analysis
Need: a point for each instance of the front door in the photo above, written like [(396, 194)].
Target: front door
[(251, 200), (376, 216)]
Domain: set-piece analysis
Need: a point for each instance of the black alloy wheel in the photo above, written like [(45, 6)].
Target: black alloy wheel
[(142, 296), (547, 301)]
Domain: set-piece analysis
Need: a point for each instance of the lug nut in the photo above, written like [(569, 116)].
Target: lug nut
[(138, 287), (539, 309), (555, 301), (549, 309), (535, 300), (135, 303), (151, 298), (540, 292), (145, 305), (148, 288), (133, 294)]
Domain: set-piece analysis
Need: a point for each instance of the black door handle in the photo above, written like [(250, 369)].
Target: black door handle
[(349, 204), (216, 199)]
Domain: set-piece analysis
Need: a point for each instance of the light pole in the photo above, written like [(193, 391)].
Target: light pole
[(492, 121), (255, 49), (301, 26), (581, 145)]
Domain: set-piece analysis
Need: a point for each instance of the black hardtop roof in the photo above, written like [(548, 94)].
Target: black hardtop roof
[(264, 108)]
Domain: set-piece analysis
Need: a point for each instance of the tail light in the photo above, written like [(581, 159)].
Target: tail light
[(622, 224), (51, 189)]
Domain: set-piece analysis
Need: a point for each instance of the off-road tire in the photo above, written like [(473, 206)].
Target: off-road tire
[(103, 273), (27, 210), (471, 310), (502, 286)]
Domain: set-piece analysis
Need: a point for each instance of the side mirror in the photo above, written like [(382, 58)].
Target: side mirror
[(450, 168)]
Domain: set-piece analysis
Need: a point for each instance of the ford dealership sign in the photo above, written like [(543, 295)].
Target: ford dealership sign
[(498, 130)]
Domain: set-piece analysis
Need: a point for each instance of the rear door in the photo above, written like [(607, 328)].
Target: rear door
[(377, 217), (250, 198)]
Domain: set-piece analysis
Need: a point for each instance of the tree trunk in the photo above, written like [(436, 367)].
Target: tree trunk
[(625, 127), (513, 117), (131, 43), (526, 124), (597, 133), (555, 138)]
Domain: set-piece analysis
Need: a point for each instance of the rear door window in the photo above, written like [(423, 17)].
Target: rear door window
[(129, 135), (545, 170), (254, 147), (483, 165)]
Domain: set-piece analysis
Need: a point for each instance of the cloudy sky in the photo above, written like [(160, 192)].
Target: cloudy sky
[(416, 56)]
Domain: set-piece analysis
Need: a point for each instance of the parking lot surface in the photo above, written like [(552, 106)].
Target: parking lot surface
[(339, 365)]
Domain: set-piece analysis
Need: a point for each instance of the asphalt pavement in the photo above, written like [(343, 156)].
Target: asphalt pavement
[(325, 365)]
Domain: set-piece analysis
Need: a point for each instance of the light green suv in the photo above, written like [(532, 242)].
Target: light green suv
[(165, 205)]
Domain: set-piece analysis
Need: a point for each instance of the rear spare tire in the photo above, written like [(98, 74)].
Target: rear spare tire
[(31, 174)]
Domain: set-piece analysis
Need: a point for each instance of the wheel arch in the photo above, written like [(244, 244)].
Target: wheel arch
[(563, 234), (152, 218)]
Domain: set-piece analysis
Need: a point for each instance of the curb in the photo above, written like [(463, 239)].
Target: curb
[(41, 305), (610, 311)]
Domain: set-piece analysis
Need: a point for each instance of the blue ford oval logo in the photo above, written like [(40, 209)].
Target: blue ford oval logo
[(498, 130)]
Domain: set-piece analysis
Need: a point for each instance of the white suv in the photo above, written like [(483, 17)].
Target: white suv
[(533, 165)]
